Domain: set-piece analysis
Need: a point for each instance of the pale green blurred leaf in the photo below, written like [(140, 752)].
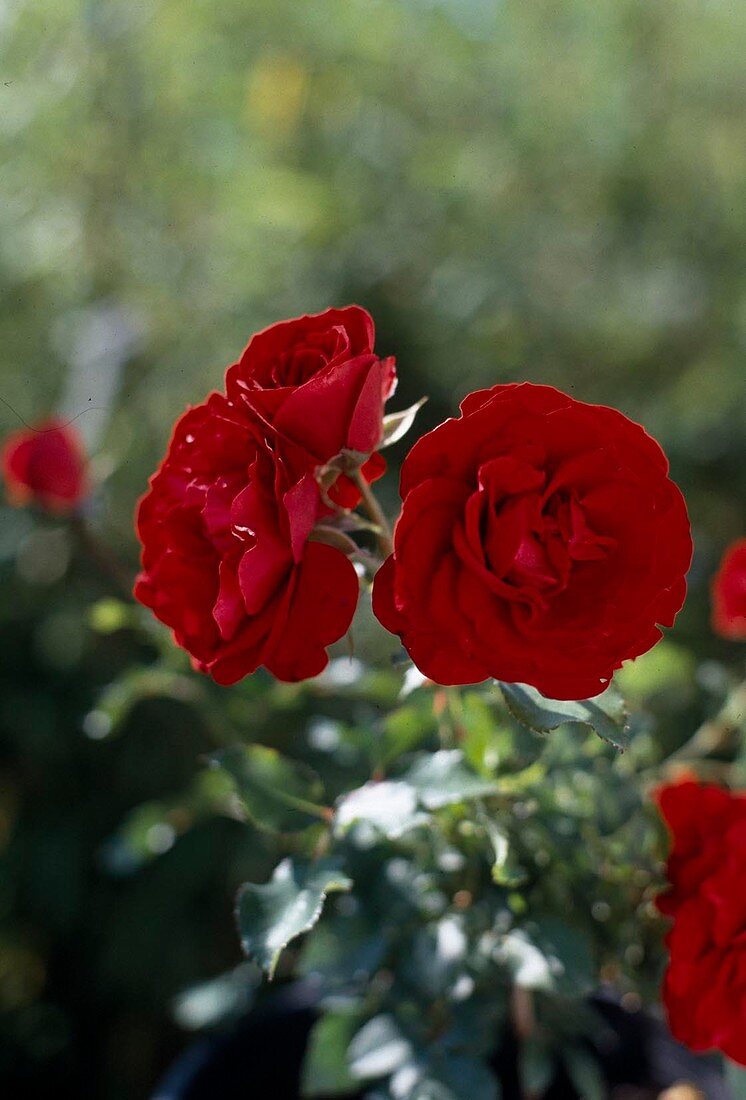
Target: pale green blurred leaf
[(735, 1075), (535, 1066), (406, 727), (585, 1074), (666, 667), (117, 700), (325, 1071), (568, 954), (211, 1003), (443, 778), (108, 615), (456, 1077), (278, 794), (343, 952), (505, 871), (378, 1049), (390, 807)]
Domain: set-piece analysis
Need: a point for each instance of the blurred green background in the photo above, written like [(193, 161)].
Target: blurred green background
[(553, 191)]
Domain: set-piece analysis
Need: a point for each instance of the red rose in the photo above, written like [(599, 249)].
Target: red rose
[(540, 541), (704, 990), (729, 594), (45, 465), (316, 381), (227, 562), (698, 816)]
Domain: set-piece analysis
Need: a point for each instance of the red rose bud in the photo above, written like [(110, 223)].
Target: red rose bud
[(226, 561), (704, 990), (45, 465), (316, 382), (729, 594), (540, 541)]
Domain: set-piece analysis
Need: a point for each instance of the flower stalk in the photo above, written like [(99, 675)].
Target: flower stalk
[(377, 515)]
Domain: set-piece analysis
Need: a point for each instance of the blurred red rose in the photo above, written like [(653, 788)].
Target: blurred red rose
[(45, 465), (704, 990), (227, 562), (729, 594), (540, 541), (316, 381)]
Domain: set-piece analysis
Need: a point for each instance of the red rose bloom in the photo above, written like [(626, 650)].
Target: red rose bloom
[(45, 465), (729, 594), (227, 562), (317, 383), (540, 541), (704, 990)]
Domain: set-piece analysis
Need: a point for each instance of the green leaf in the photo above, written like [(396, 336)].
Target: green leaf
[(325, 1071), (505, 871), (585, 1074), (277, 794), (535, 1066), (390, 807), (735, 1075), (118, 699), (108, 615), (481, 740), (456, 1077), (568, 955), (379, 1049), (269, 916), (526, 963), (549, 955), (151, 829), (605, 714), (210, 1003), (443, 778), (405, 728), (667, 668), (435, 958), (396, 425), (343, 952)]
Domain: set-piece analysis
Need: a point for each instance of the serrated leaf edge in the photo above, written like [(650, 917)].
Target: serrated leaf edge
[(544, 731), (335, 886)]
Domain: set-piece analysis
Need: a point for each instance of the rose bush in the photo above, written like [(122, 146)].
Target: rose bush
[(227, 562), (45, 465), (540, 541), (705, 985), (729, 594)]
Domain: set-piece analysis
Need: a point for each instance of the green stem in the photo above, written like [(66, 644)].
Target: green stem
[(106, 562), (323, 813), (716, 733), (376, 513)]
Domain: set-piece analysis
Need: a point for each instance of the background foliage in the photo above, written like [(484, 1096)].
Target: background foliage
[(552, 191)]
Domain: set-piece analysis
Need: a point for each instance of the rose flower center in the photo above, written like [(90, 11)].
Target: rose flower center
[(303, 361), (523, 537)]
